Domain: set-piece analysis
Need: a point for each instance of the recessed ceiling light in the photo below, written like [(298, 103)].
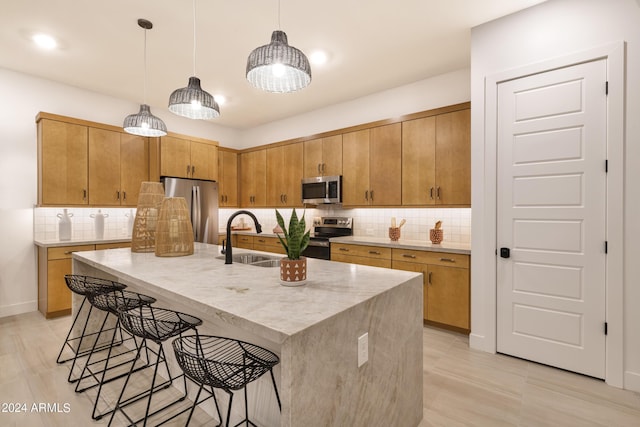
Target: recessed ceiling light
[(220, 99), (318, 57), (45, 41)]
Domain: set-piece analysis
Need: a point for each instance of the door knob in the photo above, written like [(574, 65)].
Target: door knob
[(505, 253)]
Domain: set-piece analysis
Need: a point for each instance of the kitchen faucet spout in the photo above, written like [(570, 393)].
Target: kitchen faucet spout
[(228, 255)]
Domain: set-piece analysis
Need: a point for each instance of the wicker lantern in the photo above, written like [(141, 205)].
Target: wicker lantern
[(174, 233), (143, 236)]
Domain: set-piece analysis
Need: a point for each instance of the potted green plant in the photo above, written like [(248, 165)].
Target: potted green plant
[(295, 239)]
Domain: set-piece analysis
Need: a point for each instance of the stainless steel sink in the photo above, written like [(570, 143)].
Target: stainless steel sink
[(254, 259)]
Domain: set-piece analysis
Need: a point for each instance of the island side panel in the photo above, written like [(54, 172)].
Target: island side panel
[(322, 365)]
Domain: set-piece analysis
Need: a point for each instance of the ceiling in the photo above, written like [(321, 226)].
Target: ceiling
[(372, 45)]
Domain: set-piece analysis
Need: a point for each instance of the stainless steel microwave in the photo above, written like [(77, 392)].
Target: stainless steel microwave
[(322, 190)]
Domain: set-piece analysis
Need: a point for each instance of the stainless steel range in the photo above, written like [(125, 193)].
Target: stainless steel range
[(325, 228)]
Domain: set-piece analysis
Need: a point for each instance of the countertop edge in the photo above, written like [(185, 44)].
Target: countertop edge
[(77, 242), (457, 248)]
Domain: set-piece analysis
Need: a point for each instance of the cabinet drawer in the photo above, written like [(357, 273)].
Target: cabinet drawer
[(361, 251), (433, 258), (362, 260), (101, 246), (64, 252), (245, 242)]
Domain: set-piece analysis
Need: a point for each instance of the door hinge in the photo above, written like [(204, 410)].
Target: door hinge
[(606, 166), (606, 88), (606, 247), (606, 328)]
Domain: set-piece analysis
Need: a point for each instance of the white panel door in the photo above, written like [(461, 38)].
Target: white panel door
[(551, 196)]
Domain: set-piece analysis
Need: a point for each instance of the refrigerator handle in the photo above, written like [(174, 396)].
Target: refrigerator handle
[(195, 212)]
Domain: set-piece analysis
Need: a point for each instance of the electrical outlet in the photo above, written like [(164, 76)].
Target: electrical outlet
[(363, 349)]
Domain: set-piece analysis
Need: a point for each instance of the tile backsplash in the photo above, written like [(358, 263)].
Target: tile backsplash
[(116, 224), (456, 223)]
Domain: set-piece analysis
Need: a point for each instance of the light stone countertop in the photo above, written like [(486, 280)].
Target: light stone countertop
[(420, 245), (74, 242), (248, 296)]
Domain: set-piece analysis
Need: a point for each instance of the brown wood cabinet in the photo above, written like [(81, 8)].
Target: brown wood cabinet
[(436, 158), (54, 297), (62, 163), (323, 156), (118, 164), (186, 158), (374, 256), (228, 173), (446, 285), (253, 178), (372, 165), (284, 173), (267, 244)]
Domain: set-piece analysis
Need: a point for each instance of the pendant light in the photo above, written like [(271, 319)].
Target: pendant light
[(144, 123), (192, 101), (278, 67)]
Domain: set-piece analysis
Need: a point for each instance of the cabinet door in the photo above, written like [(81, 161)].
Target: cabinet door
[(104, 167), (332, 155), (448, 296), (453, 158), (134, 167), (204, 161), (417, 268), (175, 157), (228, 172), (292, 156), (58, 293), (253, 182), (419, 161), (312, 158), (275, 176), (355, 177), (63, 163), (385, 159)]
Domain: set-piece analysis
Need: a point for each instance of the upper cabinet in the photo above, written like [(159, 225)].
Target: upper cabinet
[(186, 158), (284, 175), (81, 164), (372, 165), (436, 160), (118, 164), (323, 156), (228, 173), (253, 179), (62, 163)]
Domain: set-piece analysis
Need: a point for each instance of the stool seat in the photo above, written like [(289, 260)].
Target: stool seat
[(156, 324), (83, 285), (224, 363), (116, 300)]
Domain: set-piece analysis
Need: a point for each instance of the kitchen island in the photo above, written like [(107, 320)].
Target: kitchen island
[(314, 329)]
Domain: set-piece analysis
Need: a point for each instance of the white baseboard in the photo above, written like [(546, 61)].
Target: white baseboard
[(632, 381), (480, 342), (24, 307)]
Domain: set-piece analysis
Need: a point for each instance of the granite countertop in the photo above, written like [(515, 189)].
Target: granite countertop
[(84, 241), (249, 296), (420, 245)]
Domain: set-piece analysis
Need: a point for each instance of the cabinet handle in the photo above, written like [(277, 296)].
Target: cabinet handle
[(68, 252), (323, 168), (366, 195), (188, 169), (447, 260), (124, 196), (319, 169), (408, 256), (343, 249), (261, 240), (117, 195), (193, 170), (438, 193), (84, 194), (429, 278), (431, 193), (374, 252), (285, 198), (226, 199), (372, 195)]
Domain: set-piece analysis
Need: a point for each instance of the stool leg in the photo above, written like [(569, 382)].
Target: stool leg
[(90, 354), (195, 403), (275, 387), (66, 340), (126, 381)]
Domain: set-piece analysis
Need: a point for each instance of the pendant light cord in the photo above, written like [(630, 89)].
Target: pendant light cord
[(279, 26), (144, 95), (194, 38)]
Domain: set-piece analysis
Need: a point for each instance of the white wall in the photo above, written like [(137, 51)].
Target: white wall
[(24, 96), (551, 30)]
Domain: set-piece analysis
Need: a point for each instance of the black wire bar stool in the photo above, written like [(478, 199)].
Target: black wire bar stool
[(83, 285), (226, 364), (95, 371), (157, 325)]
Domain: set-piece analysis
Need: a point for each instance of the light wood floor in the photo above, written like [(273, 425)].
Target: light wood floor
[(462, 387)]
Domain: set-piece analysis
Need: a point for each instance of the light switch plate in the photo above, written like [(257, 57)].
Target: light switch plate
[(363, 349)]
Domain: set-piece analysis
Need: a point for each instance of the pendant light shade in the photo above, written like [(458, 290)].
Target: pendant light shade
[(278, 67), (144, 123), (193, 102)]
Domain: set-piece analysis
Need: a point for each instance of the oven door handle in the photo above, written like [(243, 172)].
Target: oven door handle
[(323, 244)]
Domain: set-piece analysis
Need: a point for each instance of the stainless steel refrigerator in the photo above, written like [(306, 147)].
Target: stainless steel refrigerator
[(202, 200)]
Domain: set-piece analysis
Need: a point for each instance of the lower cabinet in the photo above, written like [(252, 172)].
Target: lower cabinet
[(374, 256), (446, 285), (258, 243), (54, 297)]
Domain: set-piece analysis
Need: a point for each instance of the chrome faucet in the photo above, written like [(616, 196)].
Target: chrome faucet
[(228, 258)]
